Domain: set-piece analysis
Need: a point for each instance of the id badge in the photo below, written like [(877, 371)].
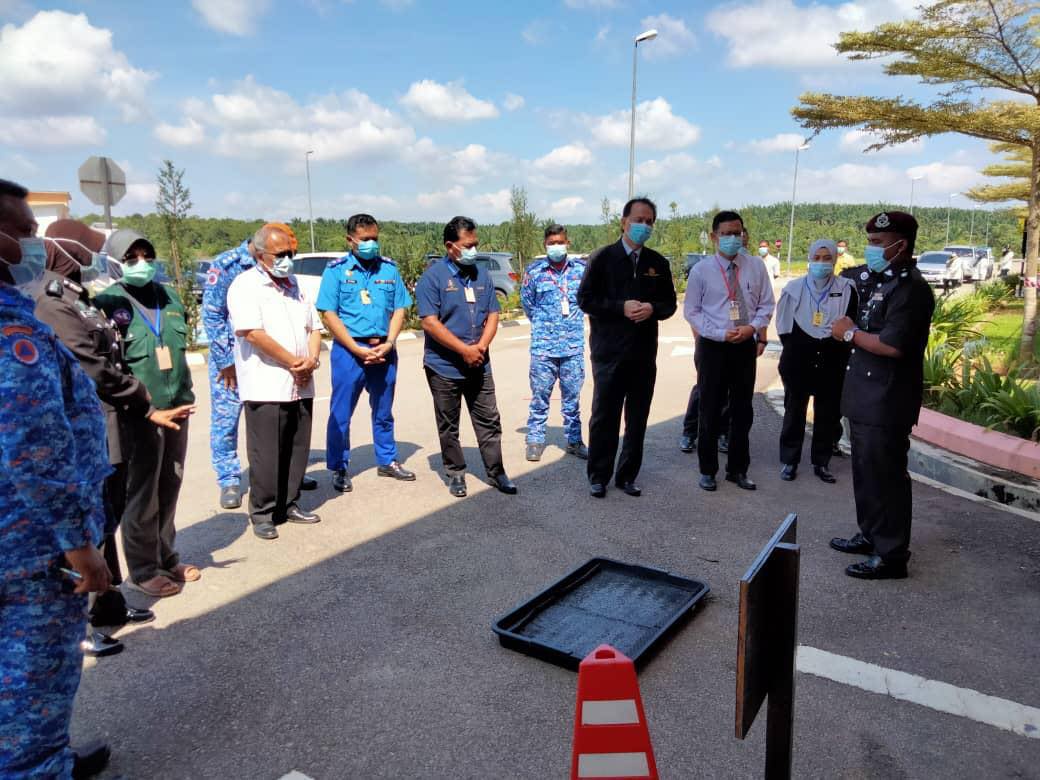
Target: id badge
[(565, 307), (366, 298), (817, 318), (162, 357), (471, 297), (734, 311)]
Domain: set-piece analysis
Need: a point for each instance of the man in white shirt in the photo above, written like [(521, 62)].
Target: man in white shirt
[(277, 344), (771, 261)]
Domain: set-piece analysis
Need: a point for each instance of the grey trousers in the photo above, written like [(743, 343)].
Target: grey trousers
[(155, 469)]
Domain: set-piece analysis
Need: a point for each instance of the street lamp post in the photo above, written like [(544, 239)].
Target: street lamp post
[(971, 232), (310, 209), (794, 193), (988, 215), (949, 206), (913, 180), (648, 35)]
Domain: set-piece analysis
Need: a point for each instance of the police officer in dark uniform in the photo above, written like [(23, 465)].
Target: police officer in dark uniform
[(883, 390)]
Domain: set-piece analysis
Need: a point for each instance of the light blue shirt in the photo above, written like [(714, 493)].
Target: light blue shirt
[(707, 304)]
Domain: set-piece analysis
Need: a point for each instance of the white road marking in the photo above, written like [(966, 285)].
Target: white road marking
[(519, 338), (322, 398), (682, 351), (613, 765), (993, 711)]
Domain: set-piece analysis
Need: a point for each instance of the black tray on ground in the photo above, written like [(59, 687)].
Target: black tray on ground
[(631, 608)]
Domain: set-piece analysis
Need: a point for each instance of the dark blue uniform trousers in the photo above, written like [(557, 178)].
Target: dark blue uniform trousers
[(349, 377)]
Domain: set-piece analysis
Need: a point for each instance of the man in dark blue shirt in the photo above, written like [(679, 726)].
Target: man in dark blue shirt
[(459, 313)]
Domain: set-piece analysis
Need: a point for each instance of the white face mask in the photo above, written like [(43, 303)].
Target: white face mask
[(467, 255), (282, 267), (28, 274)]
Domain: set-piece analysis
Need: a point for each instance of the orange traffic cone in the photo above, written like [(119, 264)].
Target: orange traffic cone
[(611, 739)]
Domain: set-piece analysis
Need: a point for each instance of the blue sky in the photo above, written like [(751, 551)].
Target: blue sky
[(418, 109)]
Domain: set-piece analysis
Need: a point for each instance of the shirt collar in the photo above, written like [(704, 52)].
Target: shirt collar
[(353, 261), (629, 248)]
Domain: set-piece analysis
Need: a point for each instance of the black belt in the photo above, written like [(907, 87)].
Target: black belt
[(370, 340)]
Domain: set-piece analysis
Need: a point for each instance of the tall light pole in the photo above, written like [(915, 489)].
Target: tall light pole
[(649, 35), (310, 210), (988, 215), (949, 206), (794, 193), (913, 180), (971, 232)]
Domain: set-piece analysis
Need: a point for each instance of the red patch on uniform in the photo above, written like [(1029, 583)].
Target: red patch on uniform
[(25, 351), (16, 330), (212, 276)]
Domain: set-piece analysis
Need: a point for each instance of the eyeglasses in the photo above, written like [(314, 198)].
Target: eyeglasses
[(287, 253)]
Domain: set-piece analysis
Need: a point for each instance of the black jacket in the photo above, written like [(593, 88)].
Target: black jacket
[(609, 281)]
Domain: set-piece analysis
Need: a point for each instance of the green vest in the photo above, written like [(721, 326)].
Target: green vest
[(170, 387)]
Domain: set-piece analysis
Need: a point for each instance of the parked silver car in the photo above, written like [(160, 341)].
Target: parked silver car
[(944, 268)]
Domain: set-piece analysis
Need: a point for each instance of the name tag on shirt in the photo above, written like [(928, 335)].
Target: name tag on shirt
[(163, 358), (734, 311), (471, 296)]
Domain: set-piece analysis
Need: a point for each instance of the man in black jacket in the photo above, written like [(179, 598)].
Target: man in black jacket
[(627, 288)]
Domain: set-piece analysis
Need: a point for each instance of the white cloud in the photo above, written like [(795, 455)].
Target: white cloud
[(462, 200), (58, 64), (535, 33), (447, 102), (602, 34), (567, 207), (674, 37), (656, 127), (513, 102), (856, 141), (783, 34), (661, 175), (234, 17), (567, 157), (51, 131), (781, 142), (944, 178), (191, 133)]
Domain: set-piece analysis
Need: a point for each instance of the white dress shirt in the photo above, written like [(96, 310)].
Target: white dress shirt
[(707, 303)]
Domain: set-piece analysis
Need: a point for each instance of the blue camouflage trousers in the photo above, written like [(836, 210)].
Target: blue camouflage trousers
[(225, 410), (41, 626), (544, 372)]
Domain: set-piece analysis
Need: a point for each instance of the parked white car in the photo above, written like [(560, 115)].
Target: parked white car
[(944, 268), (976, 260), (308, 268)]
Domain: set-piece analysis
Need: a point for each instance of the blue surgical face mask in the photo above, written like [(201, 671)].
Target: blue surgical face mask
[(730, 245), (557, 253), (282, 267), (87, 273), (875, 257), (820, 270), (28, 274), (367, 250), (467, 255), (762, 251), (638, 233)]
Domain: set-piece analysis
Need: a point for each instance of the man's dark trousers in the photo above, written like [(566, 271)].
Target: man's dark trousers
[(726, 371), (619, 386), (278, 442), (882, 487), (477, 387)]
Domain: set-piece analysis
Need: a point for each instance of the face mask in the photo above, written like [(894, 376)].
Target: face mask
[(28, 274), (557, 253), (820, 269), (367, 250), (762, 251), (87, 273), (638, 233), (730, 245), (140, 273), (841, 250), (467, 256), (282, 267), (875, 257)]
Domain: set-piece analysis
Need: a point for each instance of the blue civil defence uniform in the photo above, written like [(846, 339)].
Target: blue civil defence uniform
[(364, 295), (557, 344), (225, 405), (53, 463)]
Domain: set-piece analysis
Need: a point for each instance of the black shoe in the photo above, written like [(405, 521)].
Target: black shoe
[(231, 497), (687, 444), (856, 545), (874, 568), (109, 609), (90, 759), (341, 481), (630, 489), (789, 472), (534, 451), (741, 481), (577, 449), (597, 489), (98, 645), (504, 485), (265, 530), (308, 483), (457, 485), (296, 515), (824, 474), (837, 451), (724, 444), (135, 615), (397, 471), (708, 482)]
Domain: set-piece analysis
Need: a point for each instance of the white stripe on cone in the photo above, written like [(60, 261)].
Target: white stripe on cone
[(613, 765), (609, 712)]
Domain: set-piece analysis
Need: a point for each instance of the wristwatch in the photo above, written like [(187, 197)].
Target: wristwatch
[(849, 334)]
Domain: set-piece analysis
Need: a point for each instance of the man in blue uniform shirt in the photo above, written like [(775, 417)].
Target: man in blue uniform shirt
[(549, 295), (459, 313), (362, 302), (53, 463)]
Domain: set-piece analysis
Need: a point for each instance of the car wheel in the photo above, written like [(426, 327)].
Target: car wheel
[(502, 297)]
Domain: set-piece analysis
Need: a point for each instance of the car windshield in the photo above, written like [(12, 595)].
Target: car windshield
[(932, 258), (960, 251)]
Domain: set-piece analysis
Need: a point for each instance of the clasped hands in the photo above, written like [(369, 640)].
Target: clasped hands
[(372, 356), (302, 370), (474, 354), (638, 311), (740, 334)]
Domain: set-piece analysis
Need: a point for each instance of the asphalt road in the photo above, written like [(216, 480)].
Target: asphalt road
[(361, 647)]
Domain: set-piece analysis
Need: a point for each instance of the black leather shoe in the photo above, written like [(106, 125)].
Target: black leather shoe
[(457, 486), (874, 568), (741, 481), (630, 489), (724, 444), (504, 485), (856, 545), (577, 449), (265, 530), (109, 609), (708, 482), (231, 497), (789, 472), (90, 759), (135, 615), (396, 471), (308, 483), (687, 444), (296, 515), (341, 481), (597, 489), (824, 474), (99, 645)]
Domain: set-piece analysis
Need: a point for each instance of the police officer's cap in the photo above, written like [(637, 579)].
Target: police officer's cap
[(119, 243), (894, 222)]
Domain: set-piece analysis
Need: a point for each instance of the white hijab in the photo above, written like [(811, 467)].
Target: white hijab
[(803, 296)]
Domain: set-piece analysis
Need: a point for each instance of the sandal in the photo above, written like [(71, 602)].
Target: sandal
[(185, 572), (157, 587)]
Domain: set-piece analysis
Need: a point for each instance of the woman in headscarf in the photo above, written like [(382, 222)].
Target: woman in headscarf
[(812, 363)]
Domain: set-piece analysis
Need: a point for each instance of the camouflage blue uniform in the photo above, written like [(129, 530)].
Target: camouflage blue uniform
[(225, 405), (53, 463), (557, 344)]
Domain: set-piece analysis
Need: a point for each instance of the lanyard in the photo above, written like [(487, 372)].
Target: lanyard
[(812, 295), (156, 326), (563, 275), (731, 292)]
